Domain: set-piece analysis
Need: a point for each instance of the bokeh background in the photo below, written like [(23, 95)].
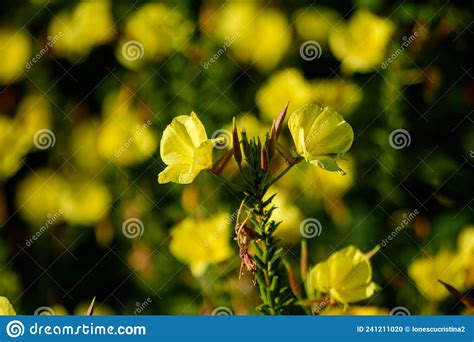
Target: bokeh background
[(86, 89)]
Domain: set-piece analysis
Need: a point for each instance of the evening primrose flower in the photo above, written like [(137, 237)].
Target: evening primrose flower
[(6, 309), (153, 32), (186, 150), (346, 276), (88, 25), (200, 243), (288, 85), (447, 266), (361, 43), (14, 54), (320, 135)]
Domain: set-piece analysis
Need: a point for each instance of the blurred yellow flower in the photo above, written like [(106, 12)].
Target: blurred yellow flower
[(200, 243), (320, 134), (346, 276), (6, 309), (466, 241), (262, 35), (86, 202), (330, 184), (286, 85), (76, 32), (344, 96), (34, 113), (84, 147), (124, 137), (15, 49), (446, 266), (153, 32), (40, 194), (315, 23), (355, 311), (17, 134), (13, 146), (288, 214), (361, 43), (186, 150)]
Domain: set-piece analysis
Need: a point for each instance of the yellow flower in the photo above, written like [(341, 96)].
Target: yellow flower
[(14, 53), (153, 32), (346, 276), (466, 241), (320, 134), (6, 309), (329, 184), (255, 35), (39, 196), (446, 266), (286, 85), (287, 213), (355, 311), (75, 33), (186, 150), (86, 202), (124, 137), (361, 43), (200, 243), (344, 96), (315, 23)]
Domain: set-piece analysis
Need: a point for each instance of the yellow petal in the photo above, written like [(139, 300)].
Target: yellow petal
[(6, 309), (177, 173)]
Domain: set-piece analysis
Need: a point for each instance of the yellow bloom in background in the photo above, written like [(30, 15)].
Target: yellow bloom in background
[(466, 241), (76, 32), (15, 51), (17, 134), (346, 276), (355, 311), (6, 309), (153, 32), (34, 113), (186, 150), (344, 96), (256, 35), (200, 243), (13, 146), (446, 266), (320, 134), (288, 214), (124, 137), (84, 148), (315, 23), (39, 196), (330, 184), (361, 43), (286, 85), (86, 202)]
